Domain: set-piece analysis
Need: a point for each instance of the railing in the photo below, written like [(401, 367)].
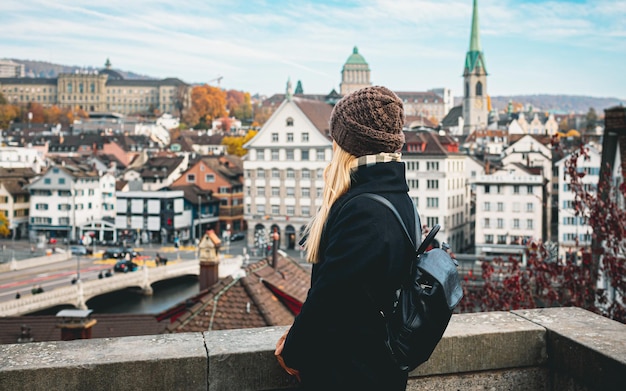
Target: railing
[(544, 350)]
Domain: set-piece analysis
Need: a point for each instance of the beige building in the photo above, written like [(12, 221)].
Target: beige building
[(100, 91), (355, 73)]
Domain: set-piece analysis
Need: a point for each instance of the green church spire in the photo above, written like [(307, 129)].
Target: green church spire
[(475, 37), (475, 57)]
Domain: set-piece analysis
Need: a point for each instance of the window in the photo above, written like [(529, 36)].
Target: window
[(320, 173), (499, 189), (289, 137), (223, 190), (529, 190), (260, 173), (289, 121), (41, 206), (291, 173), (489, 239), (306, 211), (516, 207), (304, 154), (260, 191), (191, 178), (529, 224), (432, 202), (290, 154), (318, 192), (529, 207), (46, 181), (432, 166), (432, 184), (487, 189), (501, 239), (275, 191), (516, 189), (306, 192), (487, 206), (275, 173), (479, 89), (260, 209), (291, 191), (209, 178), (432, 221), (500, 207), (321, 155), (515, 223), (500, 223), (274, 154), (305, 137), (61, 181), (275, 209), (413, 183)]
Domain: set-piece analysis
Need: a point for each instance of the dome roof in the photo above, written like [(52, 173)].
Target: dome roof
[(356, 58), (113, 75)]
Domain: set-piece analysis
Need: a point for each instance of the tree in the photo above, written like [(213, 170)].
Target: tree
[(240, 106), (235, 143), (3, 100), (8, 113), (591, 118), (38, 112), (4, 225), (208, 103), (544, 282)]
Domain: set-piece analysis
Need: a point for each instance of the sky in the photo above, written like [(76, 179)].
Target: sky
[(574, 47)]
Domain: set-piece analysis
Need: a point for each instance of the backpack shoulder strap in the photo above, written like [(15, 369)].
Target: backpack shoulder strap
[(393, 209)]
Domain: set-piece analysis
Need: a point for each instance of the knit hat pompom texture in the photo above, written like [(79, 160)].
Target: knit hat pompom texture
[(368, 121)]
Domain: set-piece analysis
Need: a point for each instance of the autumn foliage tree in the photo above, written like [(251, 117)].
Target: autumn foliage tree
[(235, 144), (4, 226), (207, 104), (507, 284)]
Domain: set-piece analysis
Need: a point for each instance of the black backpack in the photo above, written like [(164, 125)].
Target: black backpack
[(424, 303)]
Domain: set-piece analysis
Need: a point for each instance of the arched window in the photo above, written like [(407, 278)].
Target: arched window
[(69, 87), (466, 89), (479, 89), (289, 121)]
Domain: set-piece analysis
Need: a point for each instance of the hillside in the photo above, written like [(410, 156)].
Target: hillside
[(554, 103), (47, 69)]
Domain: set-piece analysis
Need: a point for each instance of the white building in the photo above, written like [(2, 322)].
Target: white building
[(152, 216), (529, 152), (435, 173), (68, 200), (284, 168), (18, 157), (573, 227), (10, 68), (508, 210)]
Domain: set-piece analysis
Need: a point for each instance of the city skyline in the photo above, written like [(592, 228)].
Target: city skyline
[(531, 46)]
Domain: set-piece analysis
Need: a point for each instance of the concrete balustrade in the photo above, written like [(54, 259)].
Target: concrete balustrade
[(34, 262), (545, 349)]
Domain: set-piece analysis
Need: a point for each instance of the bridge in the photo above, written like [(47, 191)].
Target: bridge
[(78, 294)]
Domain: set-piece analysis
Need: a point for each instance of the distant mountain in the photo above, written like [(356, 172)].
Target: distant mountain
[(50, 70), (554, 103)]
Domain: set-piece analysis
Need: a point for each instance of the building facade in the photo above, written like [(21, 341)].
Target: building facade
[(100, 91), (508, 211), (284, 171)]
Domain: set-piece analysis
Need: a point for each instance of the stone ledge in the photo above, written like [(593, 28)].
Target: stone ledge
[(546, 349), (158, 362)]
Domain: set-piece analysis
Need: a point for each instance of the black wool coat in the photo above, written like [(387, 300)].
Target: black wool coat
[(336, 342)]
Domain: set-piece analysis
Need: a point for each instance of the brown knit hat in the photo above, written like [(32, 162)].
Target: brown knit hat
[(368, 121)]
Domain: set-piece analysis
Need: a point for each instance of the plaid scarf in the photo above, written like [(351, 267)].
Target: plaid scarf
[(370, 160)]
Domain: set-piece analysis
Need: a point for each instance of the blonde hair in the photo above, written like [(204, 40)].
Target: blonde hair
[(337, 178)]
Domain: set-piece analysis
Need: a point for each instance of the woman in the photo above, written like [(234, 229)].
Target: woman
[(358, 250)]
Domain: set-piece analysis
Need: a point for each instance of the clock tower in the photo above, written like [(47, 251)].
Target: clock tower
[(475, 110)]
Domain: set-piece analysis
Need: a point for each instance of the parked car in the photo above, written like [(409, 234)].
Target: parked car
[(119, 252), (237, 236), (80, 250), (125, 266)]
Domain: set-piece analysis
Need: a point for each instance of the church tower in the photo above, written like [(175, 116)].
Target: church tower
[(475, 110), (355, 73)]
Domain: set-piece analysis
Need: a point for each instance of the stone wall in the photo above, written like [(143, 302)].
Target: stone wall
[(545, 349)]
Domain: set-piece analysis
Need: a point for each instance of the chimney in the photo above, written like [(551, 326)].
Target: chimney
[(75, 324), (209, 259), (275, 241)]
